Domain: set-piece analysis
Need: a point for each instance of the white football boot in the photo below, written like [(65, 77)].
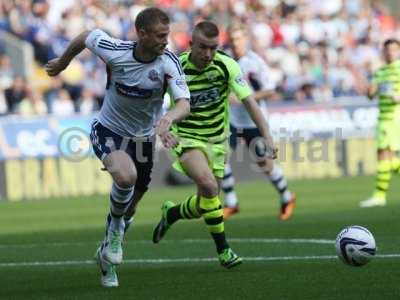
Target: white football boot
[(108, 271), (372, 202), (112, 250)]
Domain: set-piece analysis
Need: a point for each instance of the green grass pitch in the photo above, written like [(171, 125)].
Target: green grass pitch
[(46, 248)]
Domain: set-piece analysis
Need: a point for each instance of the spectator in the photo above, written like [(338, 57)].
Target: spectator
[(15, 94), (63, 104), (87, 103), (32, 105), (329, 44), (3, 103), (6, 72)]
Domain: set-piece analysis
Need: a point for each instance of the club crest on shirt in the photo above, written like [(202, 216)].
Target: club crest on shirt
[(153, 75), (212, 75), (240, 80)]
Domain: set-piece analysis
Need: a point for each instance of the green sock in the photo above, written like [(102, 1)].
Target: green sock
[(384, 174), (212, 213), (396, 164), (188, 209)]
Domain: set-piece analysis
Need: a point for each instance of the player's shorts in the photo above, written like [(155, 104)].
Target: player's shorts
[(215, 153), (252, 138), (140, 150), (388, 135)]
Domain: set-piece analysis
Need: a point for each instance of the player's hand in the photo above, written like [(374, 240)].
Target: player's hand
[(163, 125), (55, 67), (272, 150), (396, 98), (169, 140)]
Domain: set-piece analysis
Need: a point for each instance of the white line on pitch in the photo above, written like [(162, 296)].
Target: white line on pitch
[(183, 241), (178, 260)]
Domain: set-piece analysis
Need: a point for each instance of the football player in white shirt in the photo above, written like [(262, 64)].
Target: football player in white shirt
[(123, 136), (255, 71)]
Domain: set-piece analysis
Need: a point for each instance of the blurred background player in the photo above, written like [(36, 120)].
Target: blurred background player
[(202, 149), (123, 136), (386, 86), (255, 71)]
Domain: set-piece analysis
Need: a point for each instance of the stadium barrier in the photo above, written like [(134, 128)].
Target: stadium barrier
[(52, 157)]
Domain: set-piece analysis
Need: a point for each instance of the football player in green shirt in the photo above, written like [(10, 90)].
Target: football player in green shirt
[(201, 145), (386, 86)]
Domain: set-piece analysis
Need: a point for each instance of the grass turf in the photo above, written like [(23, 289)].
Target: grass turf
[(61, 230)]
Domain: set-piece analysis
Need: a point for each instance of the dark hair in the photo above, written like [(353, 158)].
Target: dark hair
[(388, 42), (150, 17), (207, 28)]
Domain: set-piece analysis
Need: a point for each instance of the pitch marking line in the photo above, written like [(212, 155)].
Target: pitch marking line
[(183, 241), (177, 260)]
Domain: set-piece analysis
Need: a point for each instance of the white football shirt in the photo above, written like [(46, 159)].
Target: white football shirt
[(255, 71), (134, 93)]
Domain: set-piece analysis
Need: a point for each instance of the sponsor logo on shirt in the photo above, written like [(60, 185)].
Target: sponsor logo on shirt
[(204, 97), (132, 91)]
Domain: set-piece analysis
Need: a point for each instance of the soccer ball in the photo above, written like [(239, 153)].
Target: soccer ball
[(355, 245)]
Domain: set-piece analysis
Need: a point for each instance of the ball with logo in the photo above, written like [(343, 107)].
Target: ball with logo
[(355, 245)]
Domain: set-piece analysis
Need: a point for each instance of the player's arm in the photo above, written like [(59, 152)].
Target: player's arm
[(263, 95), (244, 94), (372, 91), (268, 88), (57, 65), (256, 115), (180, 92), (180, 111), (97, 41)]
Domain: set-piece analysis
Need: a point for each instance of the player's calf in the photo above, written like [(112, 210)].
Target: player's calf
[(119, 199)]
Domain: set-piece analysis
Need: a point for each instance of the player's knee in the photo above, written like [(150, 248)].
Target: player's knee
[(208, 185), (125, 179)]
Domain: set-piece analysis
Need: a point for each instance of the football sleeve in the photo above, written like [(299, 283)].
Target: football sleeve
[(236, 82), (104, 46), (175, 77)]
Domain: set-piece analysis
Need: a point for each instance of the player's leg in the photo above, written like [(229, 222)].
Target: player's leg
[(190, 207), (123, 172), (396, 147), (107, 146), (144, 164), (129, 214), (231, 201), (196, 165), (272, 171), (108, 271), (206, 204), (382, 179), (384, 166)]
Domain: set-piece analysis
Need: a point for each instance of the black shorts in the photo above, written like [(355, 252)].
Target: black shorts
[(252, 138), (140, 150)]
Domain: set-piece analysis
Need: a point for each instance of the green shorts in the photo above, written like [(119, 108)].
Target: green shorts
[(388, 135), (216, 154)]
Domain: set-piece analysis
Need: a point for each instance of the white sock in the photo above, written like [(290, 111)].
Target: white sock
[(279, 182), (230, 199), (117, 223), (228, 185)]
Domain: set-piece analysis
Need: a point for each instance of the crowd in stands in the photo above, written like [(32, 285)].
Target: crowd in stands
[(316, 50)]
